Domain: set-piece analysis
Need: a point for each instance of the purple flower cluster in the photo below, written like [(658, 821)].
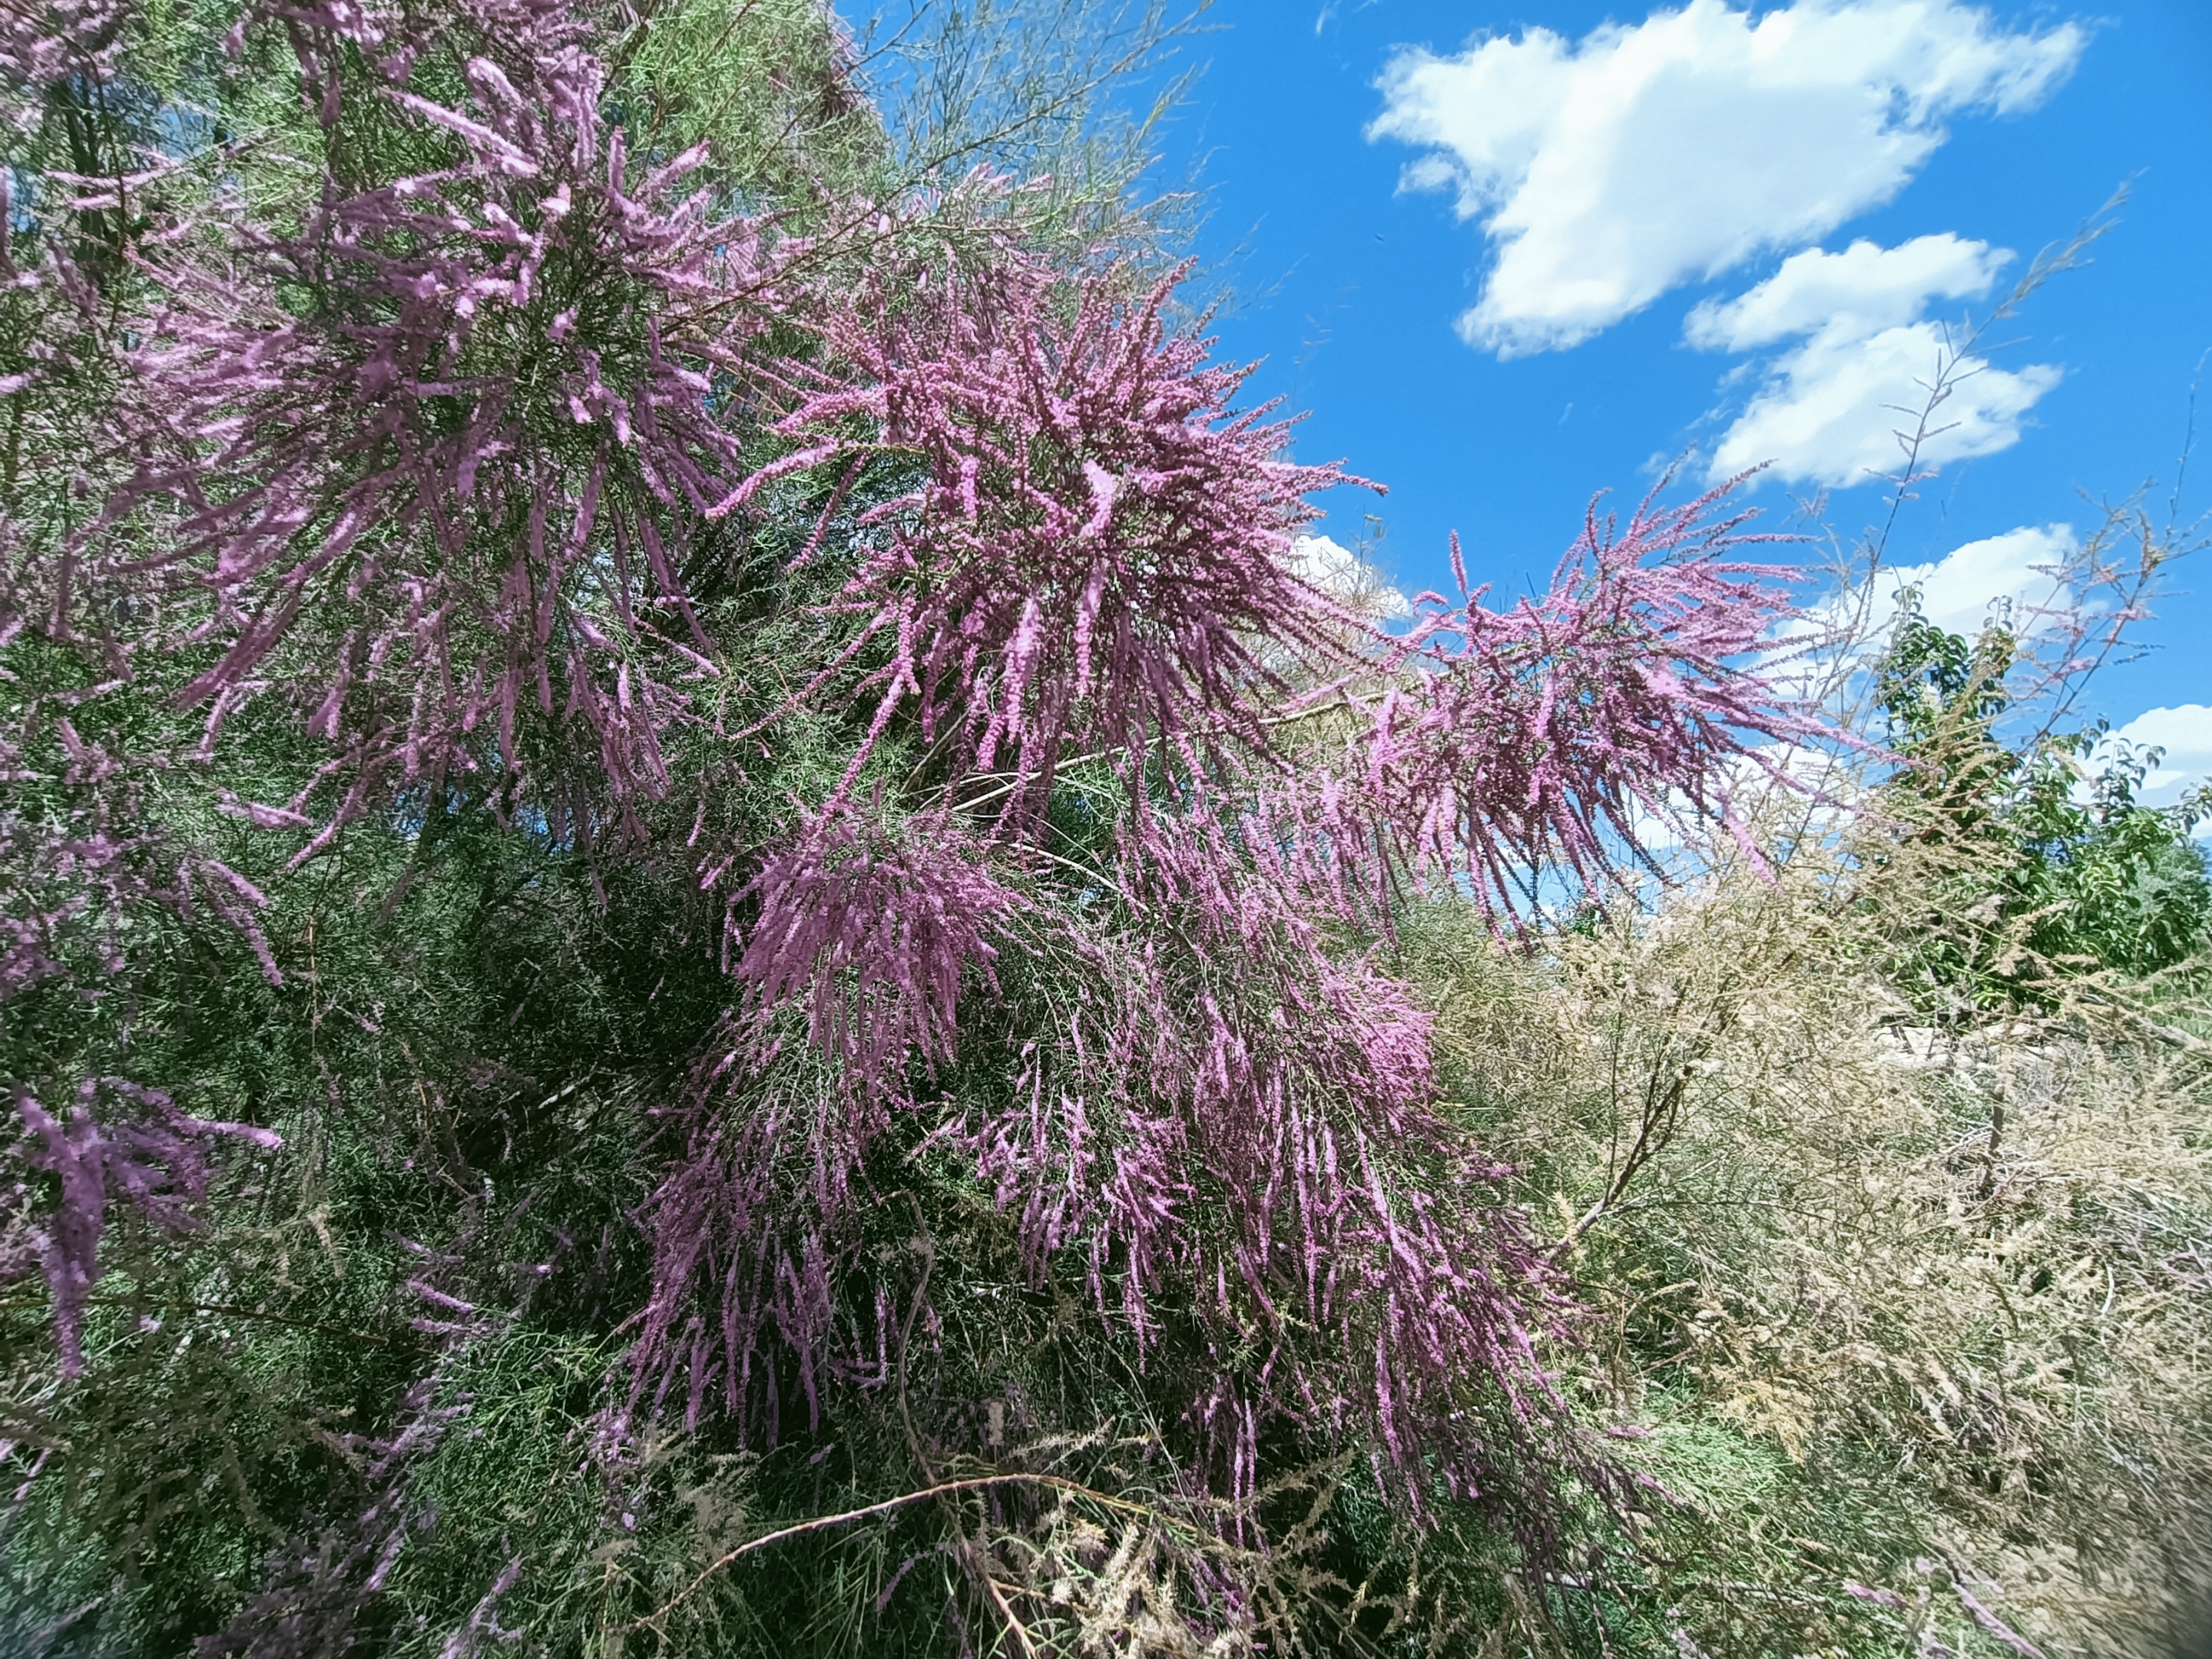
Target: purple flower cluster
[(73, 867), (1245, 1131), (471, 468), (870, 933), (1096, 545), (753, 1226), (1607, 704), (41, 44), (142, 1149)]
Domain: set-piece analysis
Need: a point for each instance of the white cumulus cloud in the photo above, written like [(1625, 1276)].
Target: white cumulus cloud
[(1347, 578), (2019, 577), (1829, 410), (1610, 170), (1863, 289), (2021, 570)]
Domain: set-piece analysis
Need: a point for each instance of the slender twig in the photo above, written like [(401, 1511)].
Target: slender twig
[(846, 1517), (229, 1311), (1662, 1109)]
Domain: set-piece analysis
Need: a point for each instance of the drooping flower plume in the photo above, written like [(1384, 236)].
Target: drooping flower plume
[(1247, 1134), (114, 1138), (1096, 543), (42, 44), (469, 475), (1598, 709), (870, 933)]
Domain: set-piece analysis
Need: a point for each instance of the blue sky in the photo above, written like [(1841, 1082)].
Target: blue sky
[(1506, 255)]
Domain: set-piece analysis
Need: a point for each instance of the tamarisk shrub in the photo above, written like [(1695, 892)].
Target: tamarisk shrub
[(449, 528), (870, 932), (1224, 1123)]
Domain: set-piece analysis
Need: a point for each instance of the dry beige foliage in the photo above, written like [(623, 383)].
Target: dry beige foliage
[(1956, 1275)]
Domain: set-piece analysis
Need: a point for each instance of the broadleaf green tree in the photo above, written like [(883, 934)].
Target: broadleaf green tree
[(2076, 873)]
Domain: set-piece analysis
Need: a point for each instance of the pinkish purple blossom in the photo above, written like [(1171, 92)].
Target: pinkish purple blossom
[(871, 932), (1096, 542), (1245, 1130), (314, 1594), (1225, 1119), (114, 1140), (1522, 736), (472, 468), (755, 1221), (73, 866), (45, 41)]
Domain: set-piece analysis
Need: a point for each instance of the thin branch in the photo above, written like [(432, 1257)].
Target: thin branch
[(845, 1517)]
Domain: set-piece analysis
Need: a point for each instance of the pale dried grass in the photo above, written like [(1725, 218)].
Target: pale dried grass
[(1920, 1305)]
